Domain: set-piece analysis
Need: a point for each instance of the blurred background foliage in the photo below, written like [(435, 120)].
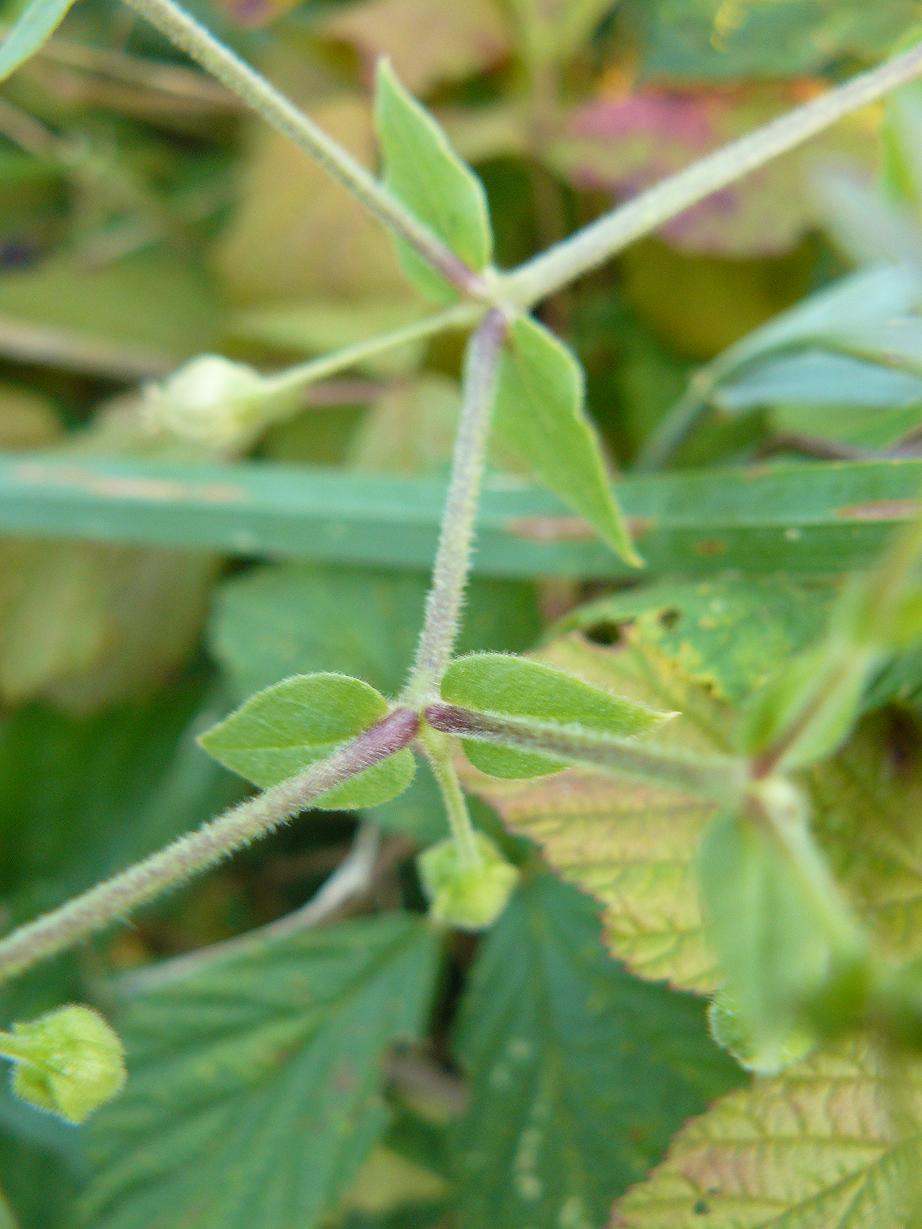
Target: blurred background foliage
[(145, 219)]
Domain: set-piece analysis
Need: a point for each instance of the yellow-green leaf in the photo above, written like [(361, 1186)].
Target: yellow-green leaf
[(810, 1149), (630, 844)]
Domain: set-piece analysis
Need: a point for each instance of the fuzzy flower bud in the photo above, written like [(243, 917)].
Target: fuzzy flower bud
[(466, 897), (68, 1062), (213, 401)]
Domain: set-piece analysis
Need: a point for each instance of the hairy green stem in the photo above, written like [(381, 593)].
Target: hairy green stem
[(453, 557), (293, 379), (438, 752), (594, 244), (201, 45), (719, 779), (114, 899)]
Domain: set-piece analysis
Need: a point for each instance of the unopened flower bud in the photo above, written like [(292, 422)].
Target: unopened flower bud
[(464, 896), (68, 1062), (213, 401)]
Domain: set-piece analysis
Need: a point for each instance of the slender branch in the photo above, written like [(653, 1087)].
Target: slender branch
[(114, 899), (201, 45), (453, 557), (292, 379), (351, 879), (438, 753), (719, 779), (595, 243)]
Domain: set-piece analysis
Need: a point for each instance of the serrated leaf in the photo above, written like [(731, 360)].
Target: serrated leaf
[(31, 29), (865, 801), (540, 393), (579, 1073), (423, 171), (630, 844), (501, 685), (808, 1149), (633, 846), (292, 724), (255, 1088)]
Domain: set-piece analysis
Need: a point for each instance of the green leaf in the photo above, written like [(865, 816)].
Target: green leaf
[(728, 633), (697, 40), (808, 519), (772, 950), (506, 686), (864, 802), (31, 29), (88, 624), (284, 619), (552, 30), (425, 173), (84, 797), (284, 728), (7, 1220), (579, 1073), (809, 707), (630, 844), (809, 1149), (255, 1089), (539, 412)]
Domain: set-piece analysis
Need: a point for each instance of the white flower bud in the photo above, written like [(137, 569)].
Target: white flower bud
[(212, 401)]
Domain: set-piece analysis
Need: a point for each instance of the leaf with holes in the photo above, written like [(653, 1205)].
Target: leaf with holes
[(284, 728)]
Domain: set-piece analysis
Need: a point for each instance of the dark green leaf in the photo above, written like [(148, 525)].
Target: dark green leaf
[(281, 730), (580, 1074), (84, 797), (255, 1087)]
